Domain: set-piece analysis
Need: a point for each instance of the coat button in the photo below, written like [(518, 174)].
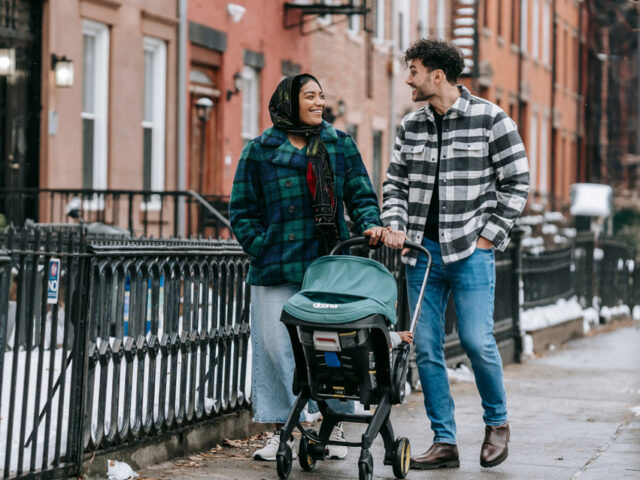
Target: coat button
[(292, 208), (292, 236), (288, 183)]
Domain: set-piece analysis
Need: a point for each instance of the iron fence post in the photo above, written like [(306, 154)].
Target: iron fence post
[(517, 295)]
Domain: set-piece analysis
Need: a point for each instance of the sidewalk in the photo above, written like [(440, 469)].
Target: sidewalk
[(571, 411)]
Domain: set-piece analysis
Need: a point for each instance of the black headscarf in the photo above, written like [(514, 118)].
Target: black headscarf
[(285, 115)]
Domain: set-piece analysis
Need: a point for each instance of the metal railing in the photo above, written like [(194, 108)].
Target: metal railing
[(142, 337), (160, 214)]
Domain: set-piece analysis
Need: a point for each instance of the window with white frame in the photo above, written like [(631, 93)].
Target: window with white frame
[(380, 17), (153, 119), (95, 100), (250, 102), (535, 30), (544, 154), (423, 15), (441, 22), (353, 21), (546, 28), (403, 14), (325, 19), (524, 14), (533, 147)]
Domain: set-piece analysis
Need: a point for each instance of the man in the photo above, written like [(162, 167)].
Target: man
[(456, 183)]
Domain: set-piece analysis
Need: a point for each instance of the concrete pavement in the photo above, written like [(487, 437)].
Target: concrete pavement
[(571, 412)]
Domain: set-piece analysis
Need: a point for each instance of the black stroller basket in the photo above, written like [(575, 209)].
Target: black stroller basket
[(347, 360)]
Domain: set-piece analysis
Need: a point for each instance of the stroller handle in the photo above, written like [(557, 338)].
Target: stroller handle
[(351, 242)]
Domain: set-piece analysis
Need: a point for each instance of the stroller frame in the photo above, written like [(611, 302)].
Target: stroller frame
[(313, 446)]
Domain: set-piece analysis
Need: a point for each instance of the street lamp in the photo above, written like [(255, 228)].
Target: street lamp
[(7, 61), (203, 110)]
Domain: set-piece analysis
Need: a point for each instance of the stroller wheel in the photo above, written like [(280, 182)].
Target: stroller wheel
[(284, 461), (401, 457), (365, 466), (305, 458)]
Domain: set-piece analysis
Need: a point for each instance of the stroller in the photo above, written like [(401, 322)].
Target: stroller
[(338, 324)]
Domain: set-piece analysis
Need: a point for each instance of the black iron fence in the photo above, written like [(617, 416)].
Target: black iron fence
[(159, 214), (106, 341)]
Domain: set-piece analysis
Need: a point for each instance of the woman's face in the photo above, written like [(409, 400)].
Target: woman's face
[(311, 103)]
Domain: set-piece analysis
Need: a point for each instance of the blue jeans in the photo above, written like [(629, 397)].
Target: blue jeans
[(472, 281), (272, 361)]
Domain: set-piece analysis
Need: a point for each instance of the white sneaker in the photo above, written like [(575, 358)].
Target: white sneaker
[(270, 450), (337, 452)]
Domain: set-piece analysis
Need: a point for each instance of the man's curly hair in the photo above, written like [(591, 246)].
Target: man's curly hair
[(437, 55)]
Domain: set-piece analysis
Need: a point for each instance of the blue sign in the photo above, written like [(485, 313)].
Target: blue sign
[(53, 285)]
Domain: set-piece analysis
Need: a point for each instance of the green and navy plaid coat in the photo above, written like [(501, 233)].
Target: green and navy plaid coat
[(271, 209)]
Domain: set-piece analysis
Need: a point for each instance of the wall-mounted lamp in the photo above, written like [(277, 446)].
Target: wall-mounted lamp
[(237, 85), (330, 115), (63, 68), (7, 61), (203, 108)]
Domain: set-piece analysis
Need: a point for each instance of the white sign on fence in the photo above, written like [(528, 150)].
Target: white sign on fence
[(53, 285)]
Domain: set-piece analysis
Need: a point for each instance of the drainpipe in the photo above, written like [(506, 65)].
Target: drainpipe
[(552, 159), (182, 112), (579, 112), (520, 47)]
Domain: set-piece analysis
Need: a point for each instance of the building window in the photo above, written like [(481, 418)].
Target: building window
[(524, 13), (532, 150), (423, 14), (441, 22), (403, 24), (376, 174), (544, 155), (499, 24), (95, 100), (380, 16), (535, 30), (546, 27), (514, 22), (485, 14), (250, 102), (353, 21), (153, 121)]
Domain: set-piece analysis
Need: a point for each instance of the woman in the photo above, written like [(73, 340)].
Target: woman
[(299, 166)]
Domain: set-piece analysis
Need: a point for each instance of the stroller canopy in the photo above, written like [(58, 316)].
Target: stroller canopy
[(342, 289)]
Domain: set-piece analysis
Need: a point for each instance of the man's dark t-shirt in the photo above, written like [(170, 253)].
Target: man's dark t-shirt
[(431, 227)]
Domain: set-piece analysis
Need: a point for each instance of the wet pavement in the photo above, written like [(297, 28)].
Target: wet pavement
[(574, 414)]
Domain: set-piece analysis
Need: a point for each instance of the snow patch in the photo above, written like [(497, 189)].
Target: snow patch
[(554, 217), (462, 374), (532, 241), (636, 410), (527, 345), (549, 229), (636, 313), (120, 471), (569, 232), (607, 313), (559, 312), (590, 319), (598, 254), (531, 220)]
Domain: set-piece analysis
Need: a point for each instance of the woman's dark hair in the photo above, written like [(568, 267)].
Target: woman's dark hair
[(298, 82), (437, 55)]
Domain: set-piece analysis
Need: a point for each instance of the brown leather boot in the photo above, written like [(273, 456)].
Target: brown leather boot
[(439, 455), (495, 448)]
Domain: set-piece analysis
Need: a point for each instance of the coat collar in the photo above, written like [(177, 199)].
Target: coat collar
[(274, 137), (287, 154), (460, 107)]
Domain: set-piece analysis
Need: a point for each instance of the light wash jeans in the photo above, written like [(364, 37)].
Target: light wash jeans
[(472, 281), (272, 359)]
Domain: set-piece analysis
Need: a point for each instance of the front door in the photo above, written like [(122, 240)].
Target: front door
[(20, 104)]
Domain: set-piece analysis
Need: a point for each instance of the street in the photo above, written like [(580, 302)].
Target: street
[(574, 414)]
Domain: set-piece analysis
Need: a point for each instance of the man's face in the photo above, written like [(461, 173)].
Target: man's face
[(421, 81)]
